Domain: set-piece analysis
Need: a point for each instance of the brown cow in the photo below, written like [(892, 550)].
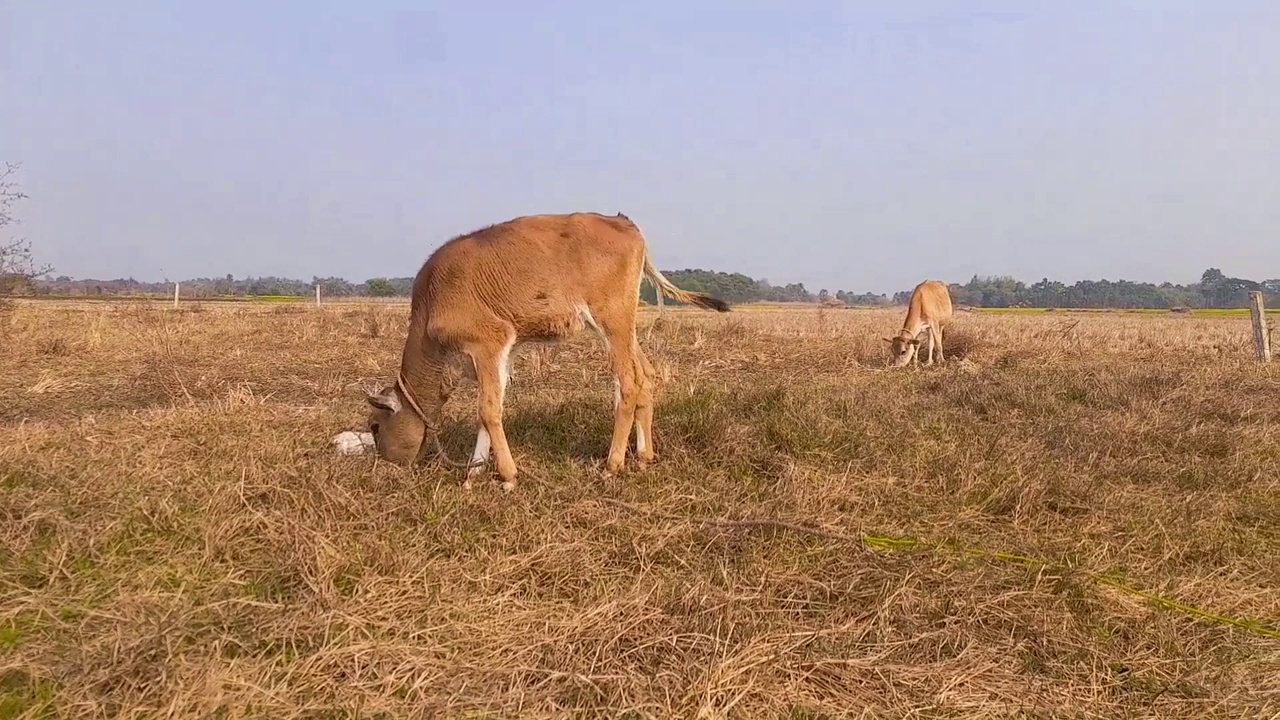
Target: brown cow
[(538, 278), (929, 309)]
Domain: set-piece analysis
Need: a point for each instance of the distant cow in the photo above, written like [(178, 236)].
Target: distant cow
[(930, 310)]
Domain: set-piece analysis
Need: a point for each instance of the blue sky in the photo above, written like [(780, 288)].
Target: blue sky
[(860, 146)]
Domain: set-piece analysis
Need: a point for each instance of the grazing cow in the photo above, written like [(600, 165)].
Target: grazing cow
[(539, 278), (929, 309)]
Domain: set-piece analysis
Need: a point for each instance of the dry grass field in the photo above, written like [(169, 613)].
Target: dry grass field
[(179, 539)]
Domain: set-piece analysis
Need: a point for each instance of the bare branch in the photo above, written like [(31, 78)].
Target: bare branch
[(17, 265)]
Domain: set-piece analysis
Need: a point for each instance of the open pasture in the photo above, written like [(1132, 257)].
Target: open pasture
[(179, 539)]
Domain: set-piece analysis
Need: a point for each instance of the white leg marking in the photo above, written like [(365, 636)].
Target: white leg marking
[(641, 441), (505, 363), (481, 452), (617, 394)]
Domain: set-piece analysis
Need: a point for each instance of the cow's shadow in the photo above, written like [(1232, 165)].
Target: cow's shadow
[(578, 429)]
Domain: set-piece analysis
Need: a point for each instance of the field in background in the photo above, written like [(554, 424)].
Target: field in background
[(179, 537), (750, 307)]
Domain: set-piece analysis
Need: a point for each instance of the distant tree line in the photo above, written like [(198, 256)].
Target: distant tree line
[(1214, 290)]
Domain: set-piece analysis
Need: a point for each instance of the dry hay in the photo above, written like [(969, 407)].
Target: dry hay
[(180, 539)]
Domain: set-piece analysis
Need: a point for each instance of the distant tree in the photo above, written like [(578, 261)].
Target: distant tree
[(380, 287), (861, 299), (1211, 285), (17, 266), (1002, 291), (1220, 291), (334, 286), (225, 285)]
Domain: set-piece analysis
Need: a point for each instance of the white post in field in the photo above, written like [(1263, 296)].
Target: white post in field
[(175, 295), (317, 294)]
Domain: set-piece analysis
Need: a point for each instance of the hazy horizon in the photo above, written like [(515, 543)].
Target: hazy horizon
[(855, 149), (53, 277)]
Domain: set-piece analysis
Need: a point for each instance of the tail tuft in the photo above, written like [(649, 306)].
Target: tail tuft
[(707, 302)]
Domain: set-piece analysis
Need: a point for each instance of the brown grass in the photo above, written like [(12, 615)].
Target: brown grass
[(179, 539)]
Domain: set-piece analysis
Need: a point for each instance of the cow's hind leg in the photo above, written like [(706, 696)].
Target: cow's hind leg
[(620, 337), (646, 378)]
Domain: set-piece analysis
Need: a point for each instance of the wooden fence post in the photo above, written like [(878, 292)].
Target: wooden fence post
[(1261, 339)]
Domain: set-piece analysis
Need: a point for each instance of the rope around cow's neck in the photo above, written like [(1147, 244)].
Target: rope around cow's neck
[(403, 387)]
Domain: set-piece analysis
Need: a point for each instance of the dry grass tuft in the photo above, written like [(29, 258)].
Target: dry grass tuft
[(179, 538)]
